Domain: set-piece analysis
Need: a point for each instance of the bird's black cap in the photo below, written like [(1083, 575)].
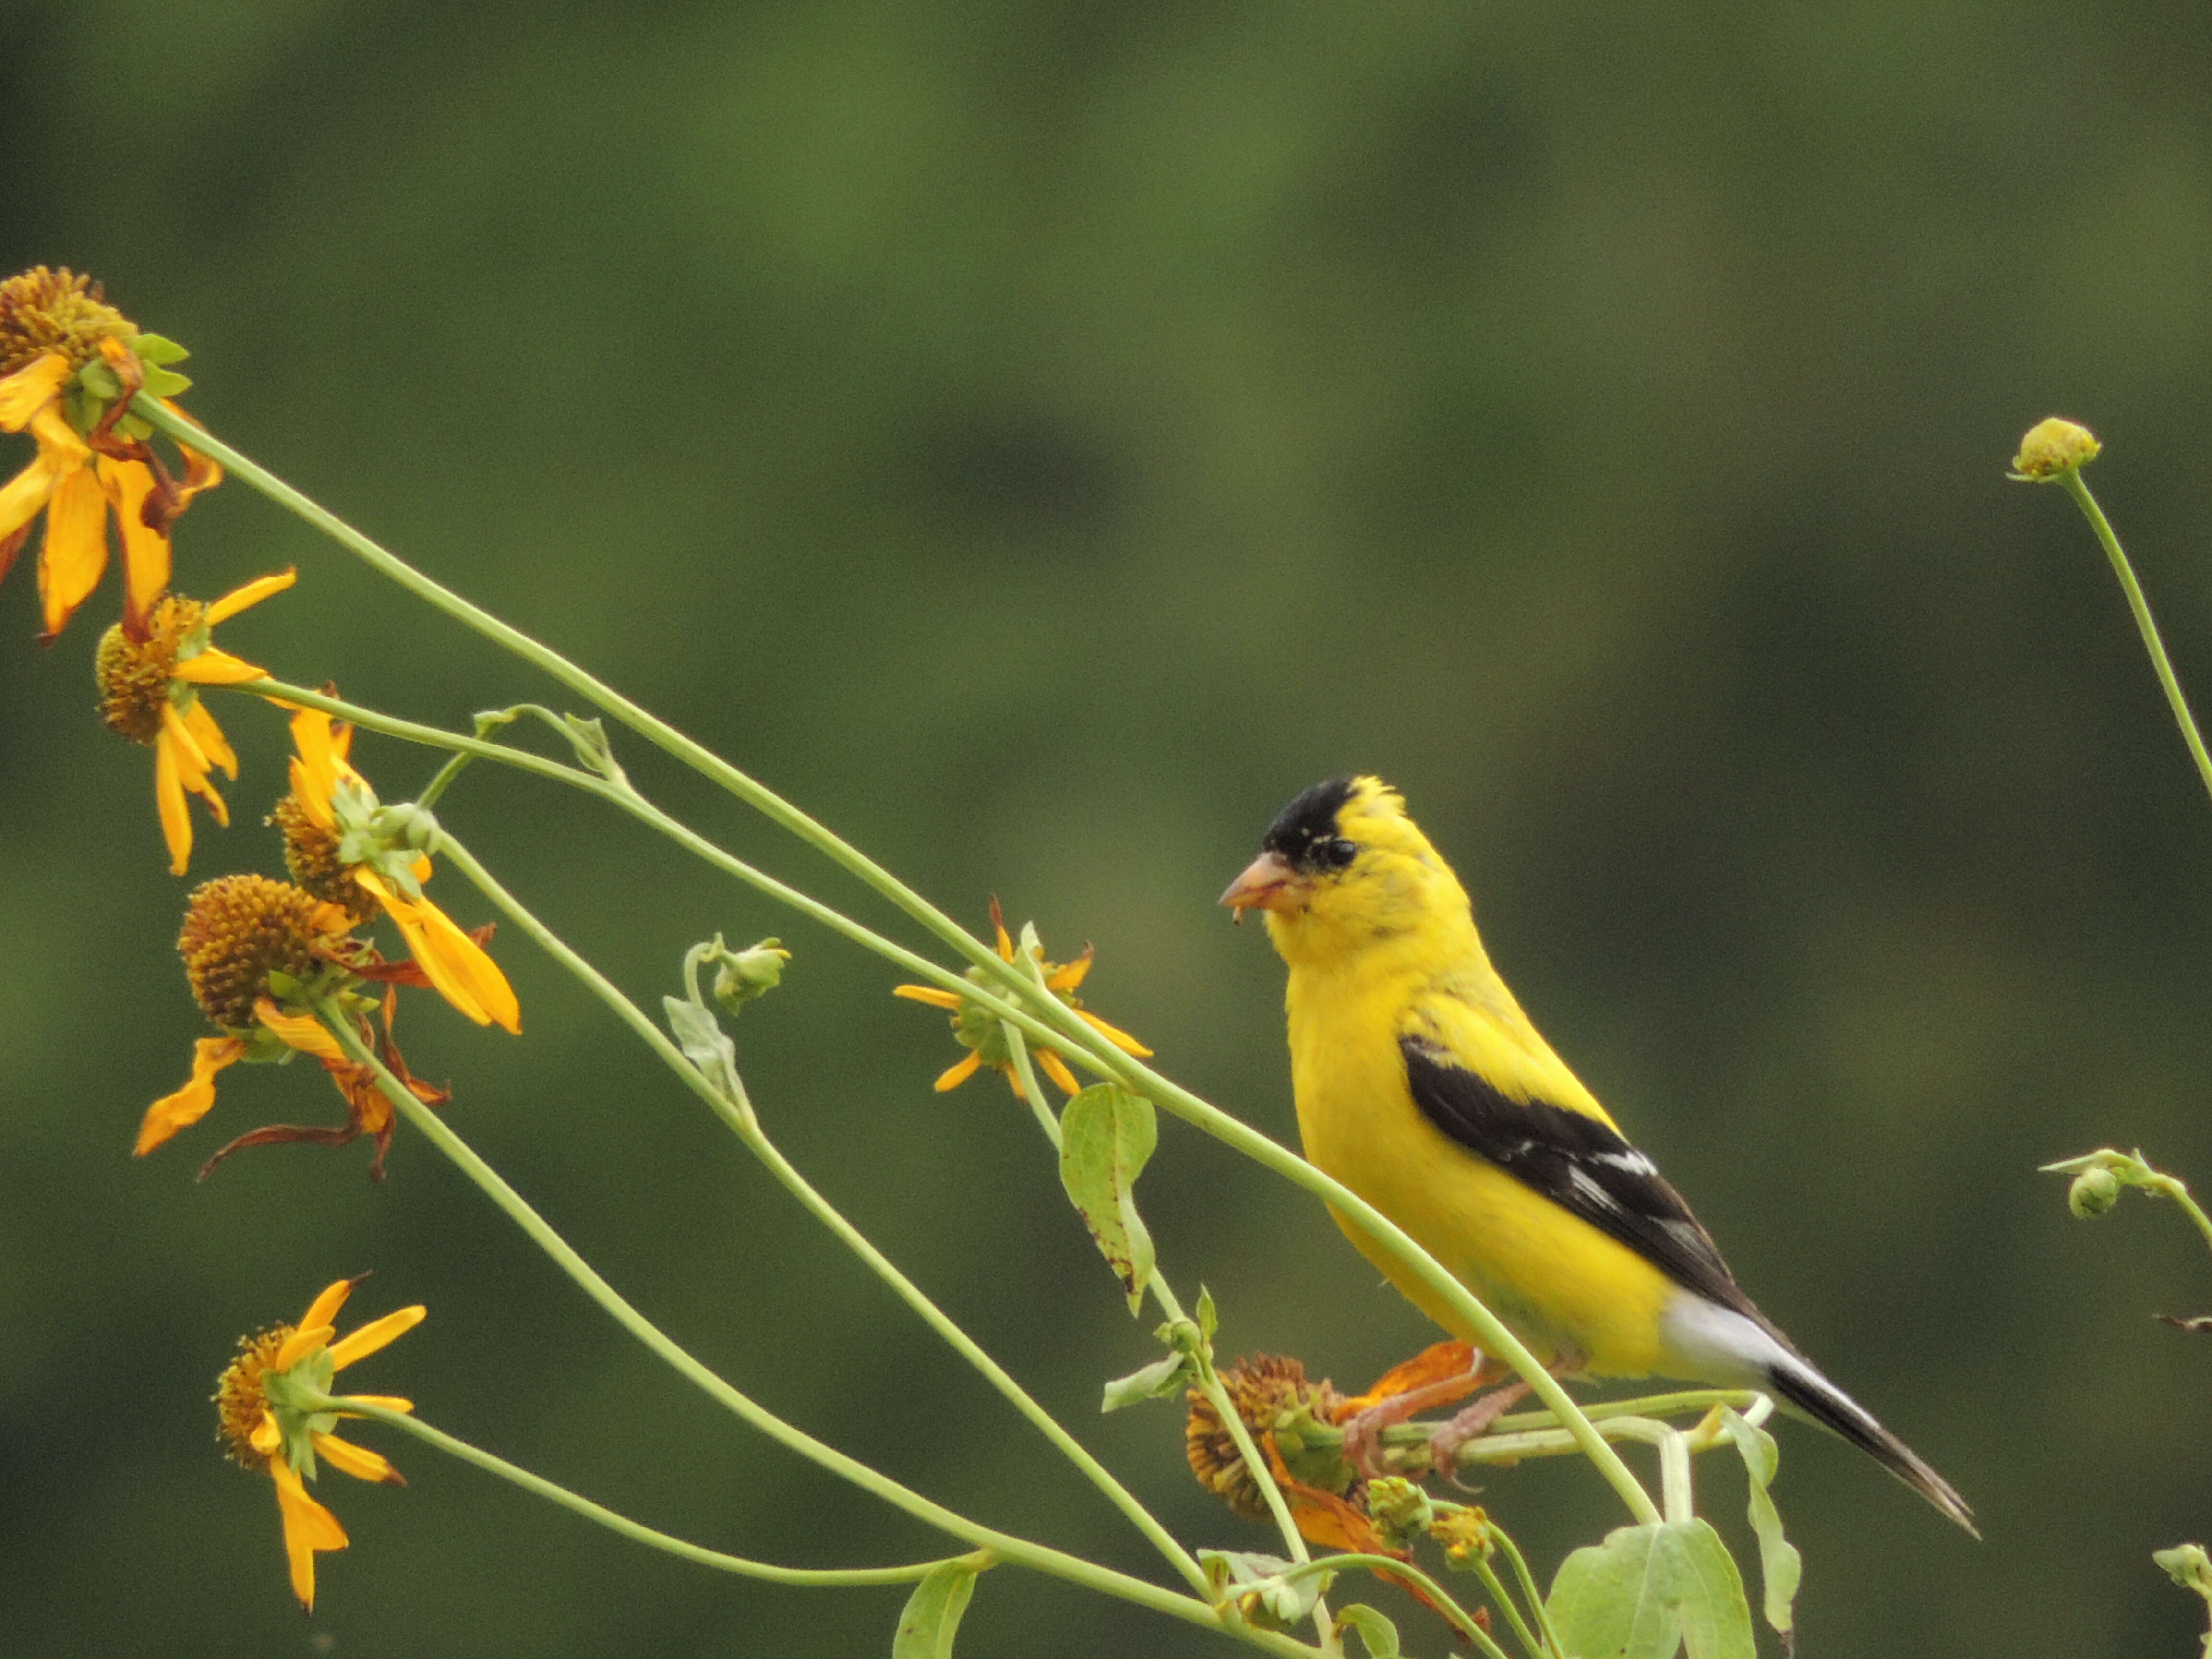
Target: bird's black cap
[(1305, 833)]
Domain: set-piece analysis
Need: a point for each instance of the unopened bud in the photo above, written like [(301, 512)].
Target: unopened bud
[(2052, 448), (2094, 1192), (1401, 1510), (742, 976), (2190, 1567)]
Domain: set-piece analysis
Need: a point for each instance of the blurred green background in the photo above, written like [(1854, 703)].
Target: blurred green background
[(1040, 439)]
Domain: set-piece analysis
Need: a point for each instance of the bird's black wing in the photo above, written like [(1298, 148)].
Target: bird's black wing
[(1577, 1162)]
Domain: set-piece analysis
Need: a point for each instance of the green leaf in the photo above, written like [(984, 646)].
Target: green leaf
[(932, 1616), (702, 1040), (99, 379), (1780, 1567), (1107, 1134), (1255, 1583), (158, 349), (166, 382), (1647, 1591), (1155, 1381), (131, 427), (1377, 1634)]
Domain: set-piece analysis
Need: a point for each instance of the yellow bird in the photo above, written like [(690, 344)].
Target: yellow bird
[(1422, 1087)]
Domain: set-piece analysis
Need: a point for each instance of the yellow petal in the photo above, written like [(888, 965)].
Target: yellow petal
[(390, 1402), (358, 1462), (266, 1436), (213, 667), (206, 734), (75, 551), (1121, 1039), (31, 388), (324, 1309), (308, 1527), (169, 802), (22, 496), (302, 1342), (929, 993), (455, 964), (953, 1076), (1056, 1069), (58, 440), (189, 1104), (377, 1333), (193, 762), (302, 1031), (145, 549), (244, 599), (1068, 975), (316, 762)]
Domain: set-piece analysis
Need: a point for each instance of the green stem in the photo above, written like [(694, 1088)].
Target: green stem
[(815, 1578), (1020, 1551), (2144, 625), (1070, 1034), (2167, 1186), (739, 1117), (1460, 1620), (1530, 1589), (1506, 1605)]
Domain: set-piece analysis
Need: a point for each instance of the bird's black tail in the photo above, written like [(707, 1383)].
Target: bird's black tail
[(1811, 1393)]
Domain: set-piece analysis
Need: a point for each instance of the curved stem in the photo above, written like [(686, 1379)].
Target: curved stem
[(1020, 1551), (1390, 1565), (813, 1577), (1071, 1036), (2144, 623), (739, 1117)]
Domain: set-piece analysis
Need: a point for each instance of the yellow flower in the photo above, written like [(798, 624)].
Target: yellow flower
[(341, 843), (150, 693), (259, 955), (70, 365), (980, 1031), (265, 1404)]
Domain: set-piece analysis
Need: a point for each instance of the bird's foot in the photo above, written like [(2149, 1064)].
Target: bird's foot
[(1363, 1428), (1471, 1422)]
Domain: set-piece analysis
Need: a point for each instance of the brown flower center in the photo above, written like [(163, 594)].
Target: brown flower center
[(238, 930), (43, 311), (134, 675), (239, 1401), (311, 854), (1266, 1390)]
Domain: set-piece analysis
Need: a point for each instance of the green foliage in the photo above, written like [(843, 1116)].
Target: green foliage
[(1108, 1135), (1647, 1591), (1377, 1634), (932, 1615), (1780, 1567)]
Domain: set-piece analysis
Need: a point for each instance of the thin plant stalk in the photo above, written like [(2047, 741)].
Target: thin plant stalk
[(807, 1578), (1020, 1552)]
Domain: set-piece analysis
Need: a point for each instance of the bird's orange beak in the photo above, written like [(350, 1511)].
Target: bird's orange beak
[(1268, 883)]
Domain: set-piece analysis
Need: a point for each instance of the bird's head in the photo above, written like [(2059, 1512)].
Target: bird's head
[(1343, 868)]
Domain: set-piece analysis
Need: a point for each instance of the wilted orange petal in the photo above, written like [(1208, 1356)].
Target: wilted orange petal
[(31, 388), (213, 667), (1120, 1039), (245, 598), (358, 1462), (189, 1104), (1056, 1069), (145, 549), (324, 1309), (76, 550), (1436, 1366), (929, 993), (454, 963), (169, 802), (954, 1075), (302, 1031), (377, 1333), (206, 734), (308, 1527)]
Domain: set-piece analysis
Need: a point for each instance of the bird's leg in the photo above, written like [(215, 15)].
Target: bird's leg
[(1363, 1429), (1474, 1419)]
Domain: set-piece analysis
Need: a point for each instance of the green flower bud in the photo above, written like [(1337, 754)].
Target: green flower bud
[(2189, 1566), (2051, 449), (2094, 1192), (1401, 1510), (742, 976)]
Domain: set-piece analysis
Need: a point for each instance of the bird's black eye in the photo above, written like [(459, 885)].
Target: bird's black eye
[(1334, 853)]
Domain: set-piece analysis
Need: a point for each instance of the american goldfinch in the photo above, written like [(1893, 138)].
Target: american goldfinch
[(1422, 1086)]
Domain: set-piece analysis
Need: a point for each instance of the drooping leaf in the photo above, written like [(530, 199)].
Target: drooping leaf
[(1780, 1567), (1254, 1583), (1377, 1634), (932, 1615), (1156, 1381), (1107, 1134), (1646, 1592), (702, 1040)]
